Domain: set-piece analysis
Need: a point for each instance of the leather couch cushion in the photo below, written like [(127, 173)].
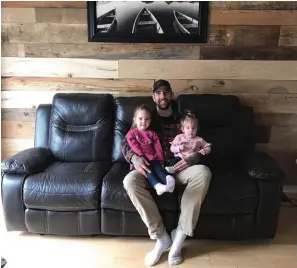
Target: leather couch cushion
[(230, 192), (81, 127), (124, 109), (66, 187), (114, 195), (211, 109)]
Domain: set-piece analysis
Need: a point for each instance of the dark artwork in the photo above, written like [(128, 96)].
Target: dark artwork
[(147, 21)]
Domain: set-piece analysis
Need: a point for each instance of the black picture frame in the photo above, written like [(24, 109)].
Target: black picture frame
[(108, 20)]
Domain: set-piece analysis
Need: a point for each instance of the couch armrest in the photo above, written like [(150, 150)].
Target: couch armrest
[(28, 161), (261, 166)]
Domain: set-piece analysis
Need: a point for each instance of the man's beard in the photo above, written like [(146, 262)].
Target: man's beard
[(163, 107)]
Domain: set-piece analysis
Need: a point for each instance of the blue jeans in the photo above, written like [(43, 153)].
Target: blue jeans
[(158, 173)]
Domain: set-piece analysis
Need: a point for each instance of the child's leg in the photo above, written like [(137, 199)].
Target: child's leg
[(168, 180), (170, 169)]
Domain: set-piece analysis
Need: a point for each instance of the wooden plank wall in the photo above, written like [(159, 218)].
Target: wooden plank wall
[(251, 52)]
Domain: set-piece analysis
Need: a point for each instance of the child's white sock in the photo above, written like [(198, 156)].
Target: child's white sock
[(160, 188), (170, 170), (163, 243), (175, 256), (170, 183)]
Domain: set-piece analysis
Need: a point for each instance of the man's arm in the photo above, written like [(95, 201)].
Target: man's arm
[(140, 164)]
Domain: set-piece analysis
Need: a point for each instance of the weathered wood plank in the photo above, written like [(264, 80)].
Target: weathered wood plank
[(31, 99), (10, 147), (285, 136), (17, 129), (243, 35), (270, 103), (77, 33), (44, 33), (210, 69), (270, 119), (254, 5), (59, 4), (233, 86), (61, 15), (114, 51), (12, 50), (18, 15), (18, 114), (74, 84), (251, 17), (248, 53), (288, 36), (144, 85), (58, 67)]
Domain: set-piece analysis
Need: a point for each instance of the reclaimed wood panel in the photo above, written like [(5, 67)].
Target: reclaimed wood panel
[(210, 69), (243, 35), (114, 51), (12, 50), (284, 136), (18, 15), (74, 84), (17, 129), (44, 33), (288, 36), (270, 103), (276, 119), (248, 53), (58, 67), (233, 86), (18, 114), (145, 85), (61, 15), (253, 17), (77, 33), (59, 4), (254, 5), (10, 147)]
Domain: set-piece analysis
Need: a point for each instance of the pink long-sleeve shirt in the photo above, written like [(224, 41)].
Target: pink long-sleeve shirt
[(191, 146), (146, 144)]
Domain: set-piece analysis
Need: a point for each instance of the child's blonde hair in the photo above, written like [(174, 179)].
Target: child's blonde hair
[(187, 115), (142, 107)]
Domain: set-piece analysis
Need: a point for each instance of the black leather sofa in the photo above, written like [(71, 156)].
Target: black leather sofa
[(71, 182)]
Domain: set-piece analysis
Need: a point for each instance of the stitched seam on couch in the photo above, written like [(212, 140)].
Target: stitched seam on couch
[(76, 194)]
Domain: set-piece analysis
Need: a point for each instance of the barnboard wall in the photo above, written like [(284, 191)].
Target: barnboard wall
[(251, 52)]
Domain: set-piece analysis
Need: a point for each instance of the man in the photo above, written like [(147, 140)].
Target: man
[(197, 178)]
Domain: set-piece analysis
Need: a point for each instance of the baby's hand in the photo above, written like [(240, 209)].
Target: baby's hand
[(181, 147), (202, 151)]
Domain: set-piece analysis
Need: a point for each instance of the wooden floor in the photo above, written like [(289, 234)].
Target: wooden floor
[(28, 250)]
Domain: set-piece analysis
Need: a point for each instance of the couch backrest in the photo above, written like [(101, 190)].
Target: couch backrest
[(223, 122), (81, 127)]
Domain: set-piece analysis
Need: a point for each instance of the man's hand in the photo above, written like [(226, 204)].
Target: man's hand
[(140, 164), (181, 165)]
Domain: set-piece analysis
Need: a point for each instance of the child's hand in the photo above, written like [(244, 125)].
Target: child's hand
[(181, 147), (202, 151)]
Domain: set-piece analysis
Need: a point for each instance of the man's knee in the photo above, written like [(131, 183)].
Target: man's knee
[(132, 180), (203, 172)]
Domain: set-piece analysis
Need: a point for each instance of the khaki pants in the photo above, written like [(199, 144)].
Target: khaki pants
[(197, 179)]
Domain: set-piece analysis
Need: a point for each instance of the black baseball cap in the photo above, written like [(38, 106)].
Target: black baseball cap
[(161, 83)]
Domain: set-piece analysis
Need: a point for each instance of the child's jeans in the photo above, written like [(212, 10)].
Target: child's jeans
[(158, 173)]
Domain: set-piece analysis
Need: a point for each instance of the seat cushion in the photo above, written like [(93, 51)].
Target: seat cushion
[(66, 187), (114, 196), (231, 192)]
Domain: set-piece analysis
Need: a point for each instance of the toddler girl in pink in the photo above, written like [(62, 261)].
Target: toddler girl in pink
[(187, 143), (146, 143)]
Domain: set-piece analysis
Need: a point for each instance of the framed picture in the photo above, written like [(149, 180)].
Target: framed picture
[(147, 21)]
